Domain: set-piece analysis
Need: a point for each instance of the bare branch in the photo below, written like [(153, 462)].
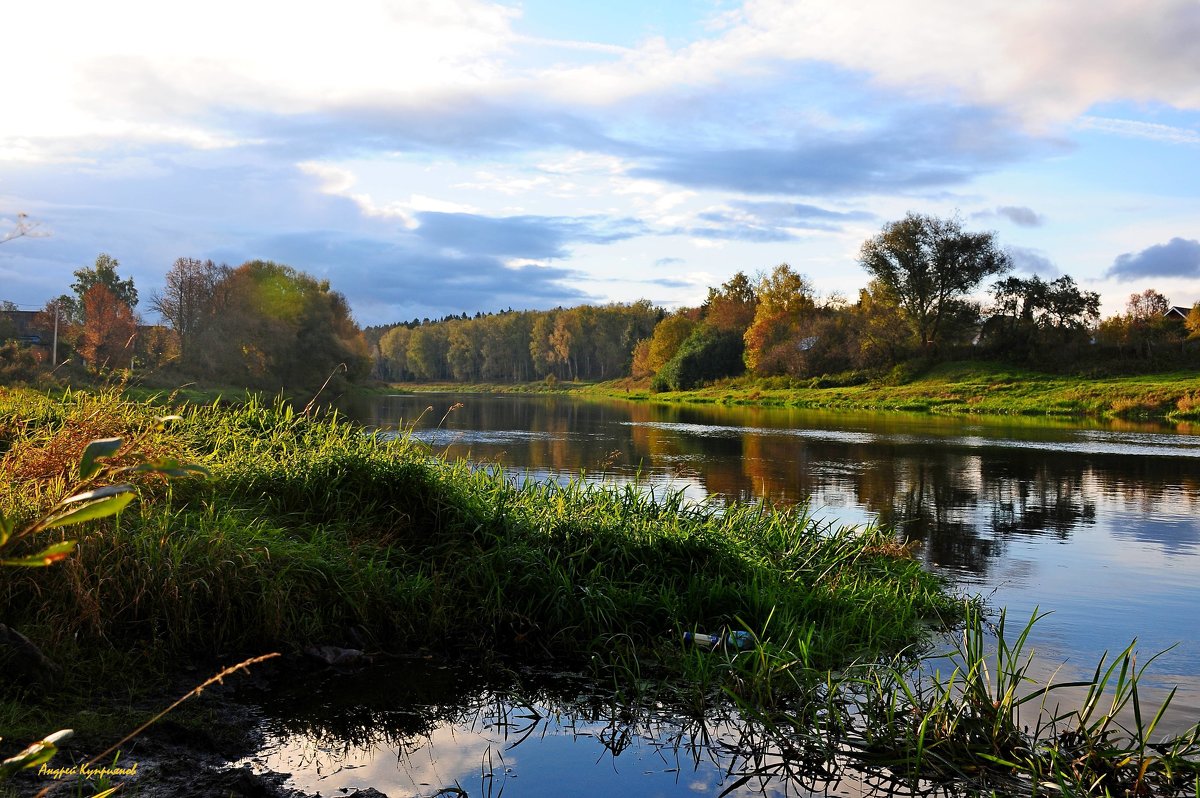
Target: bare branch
[(23, 228)]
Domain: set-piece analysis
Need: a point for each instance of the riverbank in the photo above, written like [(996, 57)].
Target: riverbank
[(969, 387), (310, 533)]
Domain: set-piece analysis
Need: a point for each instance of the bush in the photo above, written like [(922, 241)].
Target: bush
[(706, 355)]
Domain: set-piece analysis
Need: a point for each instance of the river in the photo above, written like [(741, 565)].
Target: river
[(1094, 523)]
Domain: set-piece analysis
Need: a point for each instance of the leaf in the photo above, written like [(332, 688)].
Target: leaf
[(47, 556), (36, 754), (104, 447), (98, 503)]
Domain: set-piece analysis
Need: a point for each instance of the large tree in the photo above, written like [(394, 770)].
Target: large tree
[(109, 329), (930, 265), (185, 302), (105, 273), (784, 297), (273, 326)]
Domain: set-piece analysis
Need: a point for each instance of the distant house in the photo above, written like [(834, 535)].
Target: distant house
[(1178, 312), (18, 325)]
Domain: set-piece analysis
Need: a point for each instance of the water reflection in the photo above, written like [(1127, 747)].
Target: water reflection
[(962, 488), (1098, 523), (446, 731)]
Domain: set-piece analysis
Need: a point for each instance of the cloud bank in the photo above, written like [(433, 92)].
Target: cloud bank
[(1179, 257)]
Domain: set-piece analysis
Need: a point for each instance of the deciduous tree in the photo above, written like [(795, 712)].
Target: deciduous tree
[(109, 329), (185, 302), (930, 265)]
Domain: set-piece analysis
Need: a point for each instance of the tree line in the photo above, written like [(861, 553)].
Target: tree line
[(918, 306), (586, 342), (259, 325), (267, 325)]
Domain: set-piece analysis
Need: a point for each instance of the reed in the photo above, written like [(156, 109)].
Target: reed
[(988, 725)]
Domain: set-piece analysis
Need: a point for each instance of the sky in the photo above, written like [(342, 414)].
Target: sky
[(431, 158)]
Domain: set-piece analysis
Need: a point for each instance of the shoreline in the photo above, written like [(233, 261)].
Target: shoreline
[(961, 388)]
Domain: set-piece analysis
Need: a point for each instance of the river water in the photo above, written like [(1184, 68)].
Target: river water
[(1095, 523)]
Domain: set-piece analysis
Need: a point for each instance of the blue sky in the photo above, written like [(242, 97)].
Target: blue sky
[(433, 158)]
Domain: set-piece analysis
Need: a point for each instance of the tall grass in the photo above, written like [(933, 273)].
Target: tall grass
[(312, 531), (988, 723)]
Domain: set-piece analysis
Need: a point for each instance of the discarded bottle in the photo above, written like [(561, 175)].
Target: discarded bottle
[(740, 640)]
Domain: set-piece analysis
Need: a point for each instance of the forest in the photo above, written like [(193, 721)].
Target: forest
[(269, 326), (918, 306)]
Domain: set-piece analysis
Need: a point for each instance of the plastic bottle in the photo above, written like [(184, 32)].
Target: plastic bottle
[(740, 640)]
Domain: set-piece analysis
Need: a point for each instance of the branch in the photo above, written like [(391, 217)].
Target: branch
[(22, 228)]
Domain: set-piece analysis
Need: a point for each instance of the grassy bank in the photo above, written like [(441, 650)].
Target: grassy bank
[(970, 387), (312, 532)]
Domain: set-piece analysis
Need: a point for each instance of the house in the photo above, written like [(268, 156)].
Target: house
[(1177, 312), (18, 325)]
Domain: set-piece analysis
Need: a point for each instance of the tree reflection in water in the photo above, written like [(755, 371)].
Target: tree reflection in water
[(416, 728), (962, 488)]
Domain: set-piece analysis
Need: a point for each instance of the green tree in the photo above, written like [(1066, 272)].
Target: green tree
[(104, 273), (393, 350), (707, 354), (273, 326), (930, 265), (883, 331), (668, 335), (427, 347), (1035, 320)]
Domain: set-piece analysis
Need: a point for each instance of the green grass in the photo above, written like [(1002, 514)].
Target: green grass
[(969, 387), (964, 387), (989, 724), (308, 529)]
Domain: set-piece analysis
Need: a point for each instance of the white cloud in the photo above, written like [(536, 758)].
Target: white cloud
[(1141, 130), (1046, 62), (144, 70), (122, 68)]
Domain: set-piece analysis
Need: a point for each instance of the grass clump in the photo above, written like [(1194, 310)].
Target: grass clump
[(312, 531), (990, 725)]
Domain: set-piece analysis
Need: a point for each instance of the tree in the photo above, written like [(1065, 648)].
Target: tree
[(883, 330), (1032, 319), (1147, 306), (930, 265), (1147, 324), (272, 326), (109, 329), (666, 339), (774, 338), (731, 307), (427, 347), (1192, 322), (105, 273), (393, 351), (185, 302), (707, 354)]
